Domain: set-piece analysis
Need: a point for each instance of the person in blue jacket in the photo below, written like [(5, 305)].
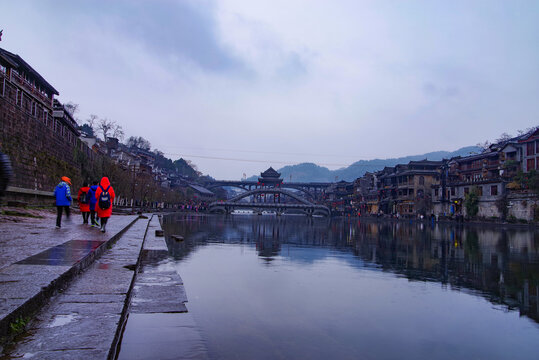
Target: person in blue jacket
[(93, 201), (62, 192)]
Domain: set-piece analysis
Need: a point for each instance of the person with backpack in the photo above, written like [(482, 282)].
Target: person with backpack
[(62, 192), (84, 200), (92, 201), (105, 196), (5, 173)]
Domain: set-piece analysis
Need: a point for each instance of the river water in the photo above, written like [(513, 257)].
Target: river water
[(292, 287)]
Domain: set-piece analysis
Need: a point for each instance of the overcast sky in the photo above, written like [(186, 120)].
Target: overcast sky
[(282, 82)]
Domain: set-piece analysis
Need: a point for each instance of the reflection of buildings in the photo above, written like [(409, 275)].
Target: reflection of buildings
[(501, 265)]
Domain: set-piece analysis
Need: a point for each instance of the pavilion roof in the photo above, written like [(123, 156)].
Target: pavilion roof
[(270, 173)]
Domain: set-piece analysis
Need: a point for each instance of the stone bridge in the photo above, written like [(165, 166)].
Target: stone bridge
[(312, 191), (301, 206)]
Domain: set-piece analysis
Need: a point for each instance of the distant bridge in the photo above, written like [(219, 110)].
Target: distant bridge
[(312, 190), (261, 204)]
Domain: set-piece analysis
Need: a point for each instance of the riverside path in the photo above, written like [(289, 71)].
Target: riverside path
[(65, 293)]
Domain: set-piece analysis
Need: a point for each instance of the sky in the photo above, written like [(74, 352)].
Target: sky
[(237, 86)]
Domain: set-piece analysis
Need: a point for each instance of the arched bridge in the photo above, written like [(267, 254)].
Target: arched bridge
[(301, 206), (311, 190)]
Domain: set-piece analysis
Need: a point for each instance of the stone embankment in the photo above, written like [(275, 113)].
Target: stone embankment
[(72, 292)]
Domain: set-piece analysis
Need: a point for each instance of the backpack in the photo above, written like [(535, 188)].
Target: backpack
[(84, 197), (104, 198)]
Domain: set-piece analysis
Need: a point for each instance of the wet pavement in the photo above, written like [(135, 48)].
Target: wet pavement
[(36, 260), (84, 320), (126, 302)]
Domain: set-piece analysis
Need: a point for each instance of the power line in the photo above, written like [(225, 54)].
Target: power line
[(251, 160), (261, 152)]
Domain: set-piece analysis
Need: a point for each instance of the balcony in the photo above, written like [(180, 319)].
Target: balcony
[(31, 88)]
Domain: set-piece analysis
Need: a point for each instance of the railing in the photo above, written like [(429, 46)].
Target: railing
[(31, 88)]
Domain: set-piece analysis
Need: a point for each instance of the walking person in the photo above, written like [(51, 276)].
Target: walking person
[(5, 173), (84, 200), (62, 192), (92, 202), (105, 196)]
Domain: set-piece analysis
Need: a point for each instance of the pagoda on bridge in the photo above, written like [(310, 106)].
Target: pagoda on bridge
[(270, 178)]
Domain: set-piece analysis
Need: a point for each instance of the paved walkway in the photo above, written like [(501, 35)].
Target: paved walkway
[(84, 320), (36, 260)]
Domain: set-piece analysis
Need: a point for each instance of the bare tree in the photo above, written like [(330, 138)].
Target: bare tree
[(139, 142), (117, 131), (108, 127), (504, 137), (527, 131), (484, 145), (92, 121), (71, 108)]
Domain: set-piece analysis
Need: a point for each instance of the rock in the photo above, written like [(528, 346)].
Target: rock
[(177, 237)]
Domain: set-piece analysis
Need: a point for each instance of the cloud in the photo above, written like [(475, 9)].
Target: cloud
[(440, 91)]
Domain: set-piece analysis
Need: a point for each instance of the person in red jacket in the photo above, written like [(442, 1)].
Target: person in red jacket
[(104, 196), (84, 202)]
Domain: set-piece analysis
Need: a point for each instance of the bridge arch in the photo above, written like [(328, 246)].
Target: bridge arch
[(270, 191)]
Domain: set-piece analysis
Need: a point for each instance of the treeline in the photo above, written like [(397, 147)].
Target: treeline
[(106, 128)]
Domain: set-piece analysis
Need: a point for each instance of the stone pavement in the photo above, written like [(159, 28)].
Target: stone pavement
[(36, 260), (84, 320), (128, 303)]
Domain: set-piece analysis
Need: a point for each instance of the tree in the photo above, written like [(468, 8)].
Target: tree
[(138, 142), (71, 108), (484, 145), (106, 127), (87, 129), (504, 137), (91, 121), (471, 202)]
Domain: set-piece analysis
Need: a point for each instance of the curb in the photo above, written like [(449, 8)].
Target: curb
[(36, 302), (114, 348)]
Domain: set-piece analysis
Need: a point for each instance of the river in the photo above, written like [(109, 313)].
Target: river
[(293, 287)]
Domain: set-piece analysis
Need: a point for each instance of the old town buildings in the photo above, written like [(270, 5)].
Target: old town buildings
[(441, 188)]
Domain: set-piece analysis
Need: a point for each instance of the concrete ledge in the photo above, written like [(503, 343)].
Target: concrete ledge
[(18, 190)]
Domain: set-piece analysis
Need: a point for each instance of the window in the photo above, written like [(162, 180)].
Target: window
[(530, 164), (421, 180), (537, 147), (18, 99), (494, 190), (453, 191), (480, 190), (466, 191), (530, 148), (435, 192), (3, 86)]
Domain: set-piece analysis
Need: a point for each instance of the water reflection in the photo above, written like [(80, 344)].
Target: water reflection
[(501, 265)]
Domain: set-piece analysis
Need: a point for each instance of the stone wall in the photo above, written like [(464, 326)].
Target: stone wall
[(40, 151), (523, 206)]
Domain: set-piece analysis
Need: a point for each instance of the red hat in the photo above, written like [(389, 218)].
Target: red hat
[(66, 179)]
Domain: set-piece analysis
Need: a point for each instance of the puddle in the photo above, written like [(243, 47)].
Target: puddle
[(61, 320), (68, 253)]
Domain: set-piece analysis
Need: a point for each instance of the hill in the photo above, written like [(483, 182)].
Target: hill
[(309, 172)]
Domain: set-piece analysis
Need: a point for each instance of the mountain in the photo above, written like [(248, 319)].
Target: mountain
[(309, 172)]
